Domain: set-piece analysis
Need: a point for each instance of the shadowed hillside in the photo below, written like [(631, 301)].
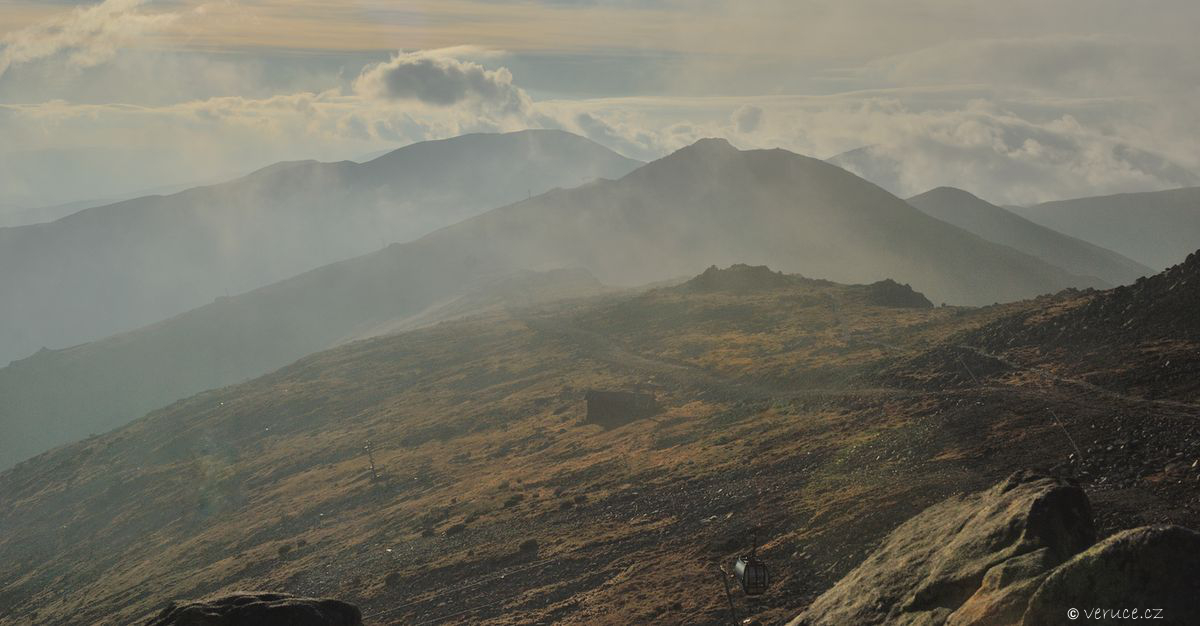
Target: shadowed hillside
[(1002, 226), (121, 266), (448, 475)]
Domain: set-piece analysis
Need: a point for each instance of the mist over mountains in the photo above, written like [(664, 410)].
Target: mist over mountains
[(706, 204), (121, 266), (487, 313)]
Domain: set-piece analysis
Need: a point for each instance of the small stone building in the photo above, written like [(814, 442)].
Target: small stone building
[(616, 408)]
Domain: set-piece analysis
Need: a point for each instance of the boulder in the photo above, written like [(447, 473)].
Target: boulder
[(1153, 567), (973, 559), (259, 609)]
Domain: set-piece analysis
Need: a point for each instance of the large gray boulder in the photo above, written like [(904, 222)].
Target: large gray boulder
[(973, 559), (1155, 569), (259, 609)]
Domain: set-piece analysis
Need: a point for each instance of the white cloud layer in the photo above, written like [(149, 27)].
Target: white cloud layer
[(1011, 151), (1015, 107), (87, 36)]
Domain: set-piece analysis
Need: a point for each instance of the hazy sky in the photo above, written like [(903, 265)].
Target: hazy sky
[(1017, 101)]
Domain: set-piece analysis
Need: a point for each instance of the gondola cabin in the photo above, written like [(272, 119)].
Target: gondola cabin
[(752, 573)]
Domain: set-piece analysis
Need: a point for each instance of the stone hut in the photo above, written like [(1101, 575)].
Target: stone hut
[(617, 408)]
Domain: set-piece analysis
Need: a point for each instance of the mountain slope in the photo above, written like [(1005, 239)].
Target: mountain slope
[(121, 266), (496, 502), (999, 225), (1157, 228), (706, 203), (486, 411)]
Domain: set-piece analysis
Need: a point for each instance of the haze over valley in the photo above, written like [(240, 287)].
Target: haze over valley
[(117, 267)]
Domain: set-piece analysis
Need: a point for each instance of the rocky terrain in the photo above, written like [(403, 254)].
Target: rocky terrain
[(446, 475)]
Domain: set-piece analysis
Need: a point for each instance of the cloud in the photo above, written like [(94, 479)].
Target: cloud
[(87, 36), (747, 118), (1017, 141), (440, 78), (1006, 150)]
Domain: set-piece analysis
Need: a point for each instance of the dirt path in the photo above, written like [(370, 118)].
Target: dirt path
[(1075, 381)]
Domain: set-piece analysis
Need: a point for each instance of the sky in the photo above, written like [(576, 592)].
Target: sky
[(1019, 101)]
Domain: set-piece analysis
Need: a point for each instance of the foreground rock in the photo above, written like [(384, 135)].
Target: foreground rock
[(1017, 553), (259, 609), (972, 559), (1153, 567)]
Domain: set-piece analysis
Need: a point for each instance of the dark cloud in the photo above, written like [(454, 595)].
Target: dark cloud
[(440, 79)]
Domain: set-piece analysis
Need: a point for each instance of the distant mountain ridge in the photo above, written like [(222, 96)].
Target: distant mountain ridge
[(118, 267), (1157, 228), (885, 166), (1002, 226), (705, 204)]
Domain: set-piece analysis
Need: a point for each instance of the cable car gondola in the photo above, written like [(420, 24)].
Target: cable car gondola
[(752, 573)]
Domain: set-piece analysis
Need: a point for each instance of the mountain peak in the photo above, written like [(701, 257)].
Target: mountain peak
[(712, 144), (709, 149), (947, 193)]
